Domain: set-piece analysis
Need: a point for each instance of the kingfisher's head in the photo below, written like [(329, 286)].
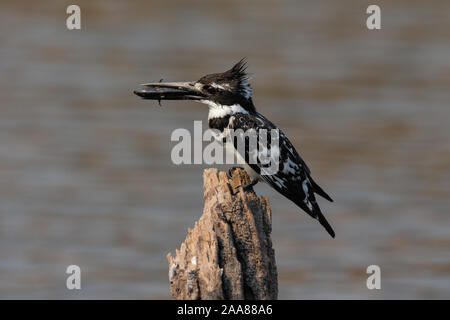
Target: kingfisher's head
[(225, 93)]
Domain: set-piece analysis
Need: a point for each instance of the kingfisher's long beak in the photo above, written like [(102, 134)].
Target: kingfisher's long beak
[(169, 91)]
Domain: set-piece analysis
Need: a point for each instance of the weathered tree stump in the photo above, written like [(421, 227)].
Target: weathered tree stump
[(228, 254)]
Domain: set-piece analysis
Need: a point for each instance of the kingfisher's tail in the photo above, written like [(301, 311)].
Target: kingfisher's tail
[(317, 189), (312, 208), (323, 221)]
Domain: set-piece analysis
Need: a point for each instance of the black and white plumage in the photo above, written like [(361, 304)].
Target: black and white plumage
[(229, 98)]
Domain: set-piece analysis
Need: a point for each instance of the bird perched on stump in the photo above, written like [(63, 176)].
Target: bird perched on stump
[(229, 98)]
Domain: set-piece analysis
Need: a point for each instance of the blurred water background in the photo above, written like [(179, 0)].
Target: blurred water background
[(85, 170)]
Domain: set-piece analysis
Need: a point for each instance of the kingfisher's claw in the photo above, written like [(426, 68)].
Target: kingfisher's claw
[(230, 171)]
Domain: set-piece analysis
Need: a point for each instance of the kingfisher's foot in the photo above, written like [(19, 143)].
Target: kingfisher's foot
[(231, 170), (252, 183), (246, 187)]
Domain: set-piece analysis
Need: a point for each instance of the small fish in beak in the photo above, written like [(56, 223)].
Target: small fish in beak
[(169, 91)]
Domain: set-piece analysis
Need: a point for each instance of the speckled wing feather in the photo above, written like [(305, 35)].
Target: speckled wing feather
[(293, 179)]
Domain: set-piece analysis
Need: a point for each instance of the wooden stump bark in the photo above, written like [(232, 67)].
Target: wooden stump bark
[(228, 254)]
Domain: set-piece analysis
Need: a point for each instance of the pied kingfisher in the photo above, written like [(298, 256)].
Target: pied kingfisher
[(229, 98)]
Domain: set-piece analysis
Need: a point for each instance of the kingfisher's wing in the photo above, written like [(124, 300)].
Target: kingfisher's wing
[(293, 177)]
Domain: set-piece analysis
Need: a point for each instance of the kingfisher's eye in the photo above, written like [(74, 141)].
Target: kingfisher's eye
[(209, 89)]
